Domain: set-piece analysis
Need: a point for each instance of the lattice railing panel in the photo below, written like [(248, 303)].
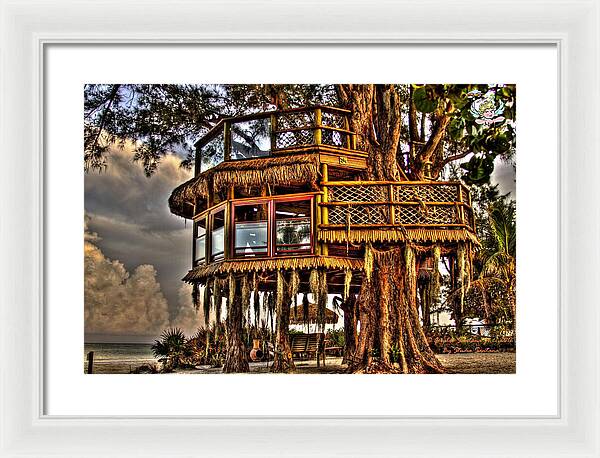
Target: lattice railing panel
[(359, 215), (294, 138), (438, 205), (295, 120), (425, 193), (333, 138), (469, 217), (417, 214), (333, 120), (360, 193)]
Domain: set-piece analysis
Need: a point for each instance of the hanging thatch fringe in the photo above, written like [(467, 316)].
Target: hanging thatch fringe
[(252, 172), (461, 264), (396, 235), (322, 300), (294, 285), (206, 303), (411, 269), (231, 285), (347, 283), (270, 298), (201, 273), (246, 299), (435, 283), (196, 296), (218, 297), (313, 284), (280, 290), (369, 261), (256, 299)]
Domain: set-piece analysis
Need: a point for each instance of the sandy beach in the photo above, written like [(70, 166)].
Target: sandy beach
[(458, 363)]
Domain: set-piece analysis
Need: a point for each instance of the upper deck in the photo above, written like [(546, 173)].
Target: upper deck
[(317, 128)]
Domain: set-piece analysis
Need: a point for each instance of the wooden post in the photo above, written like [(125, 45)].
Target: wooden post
[(462, 208), (392, 206), (318, 222), (325, 209), (227, 140), (348, 136), (325, 179), (273, 135), (318, 119), (228, 237), (194, 230), (90, 360)]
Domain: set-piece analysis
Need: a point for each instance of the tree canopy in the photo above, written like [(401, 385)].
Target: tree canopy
[(410, 131)]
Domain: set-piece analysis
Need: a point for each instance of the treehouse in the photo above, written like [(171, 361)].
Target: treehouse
[(287, 191)]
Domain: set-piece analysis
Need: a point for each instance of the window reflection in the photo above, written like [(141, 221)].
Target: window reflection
[(250, 139), (251, 230), (292, 226), (218, 236), (200, 242)]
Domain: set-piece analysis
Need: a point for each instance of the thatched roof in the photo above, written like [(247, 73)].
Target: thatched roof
[(274, 170), (355, 235), (200, 273), (297, 315)]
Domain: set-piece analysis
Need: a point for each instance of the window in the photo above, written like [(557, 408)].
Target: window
[(200, 241), (212, 153), (217, 241), (292, 227), (251, 230), (251, 139)]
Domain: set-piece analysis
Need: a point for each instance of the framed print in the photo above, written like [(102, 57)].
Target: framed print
[(363, 225)]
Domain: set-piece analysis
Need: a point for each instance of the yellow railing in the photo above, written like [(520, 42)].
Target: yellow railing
[(373, 204), (261, 134)]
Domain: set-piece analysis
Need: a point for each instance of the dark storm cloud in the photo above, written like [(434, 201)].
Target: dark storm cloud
[(130, 213)]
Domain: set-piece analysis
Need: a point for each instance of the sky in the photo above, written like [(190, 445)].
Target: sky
[(136, 251)]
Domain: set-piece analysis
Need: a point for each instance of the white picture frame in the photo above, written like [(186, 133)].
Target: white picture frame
[(27, 27)]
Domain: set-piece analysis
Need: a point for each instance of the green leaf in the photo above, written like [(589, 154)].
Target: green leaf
[(423, 102), (456, 128)]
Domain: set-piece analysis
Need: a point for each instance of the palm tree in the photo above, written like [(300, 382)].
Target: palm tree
[(499, 259), (172, 348)]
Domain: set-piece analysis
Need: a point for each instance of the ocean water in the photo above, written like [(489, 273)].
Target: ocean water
[(117, 358)]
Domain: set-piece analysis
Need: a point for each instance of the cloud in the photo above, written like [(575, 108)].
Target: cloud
[(188, 319), (120, 303), (504, 176), (131, 213)]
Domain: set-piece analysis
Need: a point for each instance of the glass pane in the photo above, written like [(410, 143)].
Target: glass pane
[(251, 237), (251, 139), (200, 227), (218, 235), (200, 241), (292, 226), (200, 249), (213, 153)]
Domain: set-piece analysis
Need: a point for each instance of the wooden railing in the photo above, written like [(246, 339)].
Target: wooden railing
[(380, 204), (261, 134)]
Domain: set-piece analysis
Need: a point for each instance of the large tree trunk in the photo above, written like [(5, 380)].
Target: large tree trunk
[(389, 318), (282, 362), (349, 308), (376, 119), (236, 359), (387, 304)]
